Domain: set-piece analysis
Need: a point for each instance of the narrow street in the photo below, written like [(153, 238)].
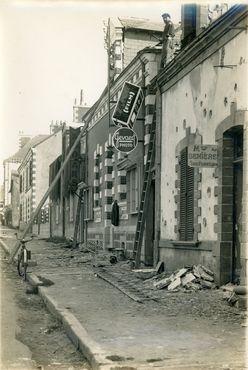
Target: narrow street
[(168, 330), (30, 336)]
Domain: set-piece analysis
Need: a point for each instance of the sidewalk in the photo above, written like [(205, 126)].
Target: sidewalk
[(115, 332)]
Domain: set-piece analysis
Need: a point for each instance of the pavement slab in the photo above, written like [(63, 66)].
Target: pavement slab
[(120, 333)]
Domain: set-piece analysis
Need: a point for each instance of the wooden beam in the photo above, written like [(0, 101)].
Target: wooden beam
[(45, 196)]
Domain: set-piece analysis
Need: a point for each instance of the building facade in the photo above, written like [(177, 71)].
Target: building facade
[(34, 180), (15, 199), (202, 101)]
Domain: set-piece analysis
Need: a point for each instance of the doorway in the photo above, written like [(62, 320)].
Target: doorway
[(237, 203), (230, 201), (150, 228)]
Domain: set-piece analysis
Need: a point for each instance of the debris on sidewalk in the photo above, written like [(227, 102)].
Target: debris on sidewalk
[(235, 295), (190, 278), (145, 273)]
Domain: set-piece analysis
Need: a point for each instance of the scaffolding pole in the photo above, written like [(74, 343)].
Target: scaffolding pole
[(45, 196)]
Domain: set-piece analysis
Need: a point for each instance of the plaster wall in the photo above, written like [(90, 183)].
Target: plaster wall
[(46, 153), (15, 199), (201, 100), (8, 168)]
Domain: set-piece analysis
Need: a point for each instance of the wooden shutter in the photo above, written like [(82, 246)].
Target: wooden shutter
[(186, 227), (190, 203), (183, 194)]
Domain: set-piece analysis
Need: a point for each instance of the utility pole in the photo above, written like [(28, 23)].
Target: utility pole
[(46, 195), (109, 56), (109, 60)]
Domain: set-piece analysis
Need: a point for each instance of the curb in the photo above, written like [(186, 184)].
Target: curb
[(74, 330), (78, 335)]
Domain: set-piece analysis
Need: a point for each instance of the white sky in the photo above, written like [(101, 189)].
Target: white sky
[(50, 50)]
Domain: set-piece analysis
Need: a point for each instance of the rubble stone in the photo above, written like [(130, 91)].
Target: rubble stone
[(181, 272), (189, 277), (174, 284), (162, 283), (145, 273), (207, 277)]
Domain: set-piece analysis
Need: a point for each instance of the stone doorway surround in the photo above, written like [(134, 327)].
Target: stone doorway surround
[(224, 227)]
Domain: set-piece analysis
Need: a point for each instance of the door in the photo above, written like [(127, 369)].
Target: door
[(150, 227), (237, 218)]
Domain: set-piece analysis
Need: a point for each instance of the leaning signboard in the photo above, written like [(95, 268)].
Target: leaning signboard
[(202, 155), (128, 105)]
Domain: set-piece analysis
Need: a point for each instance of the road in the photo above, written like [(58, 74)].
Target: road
[(13, 352), (30, 336)]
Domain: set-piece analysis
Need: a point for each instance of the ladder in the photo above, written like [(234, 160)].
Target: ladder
[(145, 195)]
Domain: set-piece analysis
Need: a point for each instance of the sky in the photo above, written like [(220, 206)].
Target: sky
[(49, 50)]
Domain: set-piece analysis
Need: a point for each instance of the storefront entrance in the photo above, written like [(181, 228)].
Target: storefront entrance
[(230, 204), (237, 202)]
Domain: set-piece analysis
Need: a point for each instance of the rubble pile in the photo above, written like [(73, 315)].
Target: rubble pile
[(235, 295), (190, 278)]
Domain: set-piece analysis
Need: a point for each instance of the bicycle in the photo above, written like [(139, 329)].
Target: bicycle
[(23, 257)]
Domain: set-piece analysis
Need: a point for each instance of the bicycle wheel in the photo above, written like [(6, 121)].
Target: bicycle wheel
[(22, 267)]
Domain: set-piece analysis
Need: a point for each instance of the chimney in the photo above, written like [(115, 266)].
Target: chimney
[(188, 16), (81, 97), (194, 21)]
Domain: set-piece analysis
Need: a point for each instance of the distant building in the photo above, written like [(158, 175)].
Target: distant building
[(23, 139), (79, 110), (15, 199), (13, 162), (127, 37), (34, 179)]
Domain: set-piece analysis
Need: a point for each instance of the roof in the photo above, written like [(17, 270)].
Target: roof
[(21, 153), (142, 24)]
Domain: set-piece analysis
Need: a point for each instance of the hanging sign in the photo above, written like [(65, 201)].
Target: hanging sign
[(202, 155), (125, 140), (128, 105)]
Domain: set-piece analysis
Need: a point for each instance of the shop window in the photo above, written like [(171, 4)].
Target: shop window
[(132, 190), (186, 226)]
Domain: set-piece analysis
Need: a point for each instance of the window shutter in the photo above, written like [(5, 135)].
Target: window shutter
[(183, 195), (190, 203), (186, 227)]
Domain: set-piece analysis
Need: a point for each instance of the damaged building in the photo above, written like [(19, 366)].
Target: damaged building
[(201, 171)]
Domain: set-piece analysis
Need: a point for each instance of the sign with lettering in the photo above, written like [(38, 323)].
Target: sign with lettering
[(202, 155), (128, 105), (125, 140)]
